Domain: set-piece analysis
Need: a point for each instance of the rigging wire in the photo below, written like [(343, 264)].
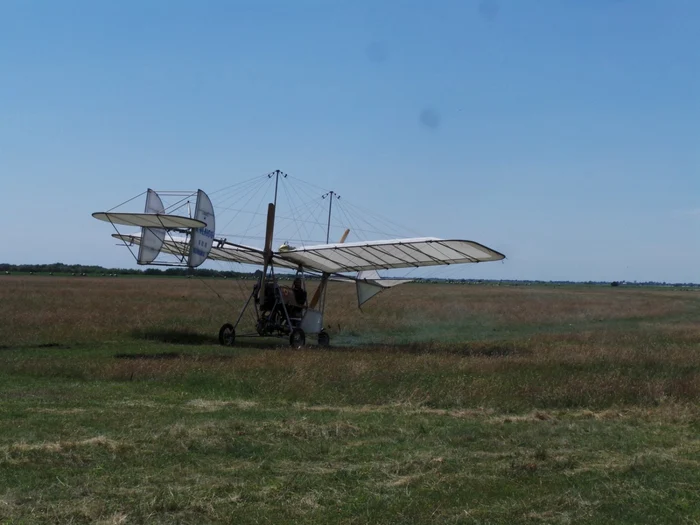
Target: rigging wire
[(213, 290), (360, 212), (241, 287), (317, 205), (262, 197), (238, 196), (235, 194), (247, 181), (253, 194), (428, 272), (299, 225), (317, 202), (295, 221), (314, 186), (385, 220), (314, 189), (127, 201), (172, 208), (351, 223), (257, 237)]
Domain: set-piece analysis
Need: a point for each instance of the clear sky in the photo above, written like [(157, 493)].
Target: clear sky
[(563, 133)]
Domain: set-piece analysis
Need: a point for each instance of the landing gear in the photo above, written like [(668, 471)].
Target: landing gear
[(323, 338), (297, 338), (227, 335)]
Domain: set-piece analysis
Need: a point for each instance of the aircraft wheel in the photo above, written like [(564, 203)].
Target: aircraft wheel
[(260, 327), (297, 338), (227, 335), (323, 338)]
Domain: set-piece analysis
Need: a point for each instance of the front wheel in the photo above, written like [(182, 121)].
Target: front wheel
[(227, 335), (297, 338), (323, 338)]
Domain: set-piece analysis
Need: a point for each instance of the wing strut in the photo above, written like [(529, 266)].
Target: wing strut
[(324, 279)]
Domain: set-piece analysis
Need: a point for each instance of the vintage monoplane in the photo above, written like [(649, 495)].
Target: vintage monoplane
[(280, 310)]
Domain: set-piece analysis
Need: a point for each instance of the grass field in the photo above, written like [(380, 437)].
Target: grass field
[(437, 404)]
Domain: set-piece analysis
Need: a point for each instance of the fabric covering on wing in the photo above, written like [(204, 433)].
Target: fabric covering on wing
[(389, 254), (149, 220), (152, 238), (369, 284)]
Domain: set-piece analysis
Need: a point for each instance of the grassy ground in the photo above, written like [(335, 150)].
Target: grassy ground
[(437, 404)]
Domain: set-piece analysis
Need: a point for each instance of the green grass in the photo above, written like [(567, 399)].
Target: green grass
[(79, 450)]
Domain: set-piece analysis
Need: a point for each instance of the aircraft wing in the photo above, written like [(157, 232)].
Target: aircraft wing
[(365, 258), (388, 254)]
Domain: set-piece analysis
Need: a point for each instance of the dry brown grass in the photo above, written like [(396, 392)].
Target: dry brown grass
[(596, 346), (64, 309), (513, 304), (36, 310)]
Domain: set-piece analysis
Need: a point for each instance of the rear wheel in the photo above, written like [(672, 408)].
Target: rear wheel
[(297, 338), (227, 335), (323, 338)]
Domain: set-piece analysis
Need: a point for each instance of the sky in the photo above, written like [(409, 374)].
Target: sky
[(562, 133)]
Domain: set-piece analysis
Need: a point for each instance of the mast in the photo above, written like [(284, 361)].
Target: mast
[(321, 290), (269, 232), (331, 194), (277, 174)]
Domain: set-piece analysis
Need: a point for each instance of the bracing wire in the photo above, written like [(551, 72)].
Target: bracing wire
[(253, 194), (241, 289), (236, 193), (262, 197), (351, 223), (315, 225), (299, 224), (296, 220), (373, 215), (238, 184), (126, 202), (353, 210), (240, 194), (215, 292), (279, 230), (314, 186)]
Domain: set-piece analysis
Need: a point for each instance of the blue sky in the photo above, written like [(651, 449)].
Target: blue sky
[(563, 133)]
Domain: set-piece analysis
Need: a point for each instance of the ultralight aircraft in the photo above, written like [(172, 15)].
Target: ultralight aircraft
[(280, 310)]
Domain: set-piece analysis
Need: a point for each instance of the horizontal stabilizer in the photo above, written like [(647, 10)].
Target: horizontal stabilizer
[(220, 251), (150, 220)]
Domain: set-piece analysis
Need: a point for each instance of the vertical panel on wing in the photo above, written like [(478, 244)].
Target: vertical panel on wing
[(366, 290), (369, 283), (202, 238), (151, 238)]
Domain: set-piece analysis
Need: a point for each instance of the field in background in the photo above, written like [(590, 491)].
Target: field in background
[(436, 404)]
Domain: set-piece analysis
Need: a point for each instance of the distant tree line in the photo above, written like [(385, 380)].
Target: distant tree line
[(89, 270), (81, 269)]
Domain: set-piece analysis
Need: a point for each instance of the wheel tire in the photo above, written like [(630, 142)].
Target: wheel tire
[(297, 338), (323, 338), (227, 335)]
